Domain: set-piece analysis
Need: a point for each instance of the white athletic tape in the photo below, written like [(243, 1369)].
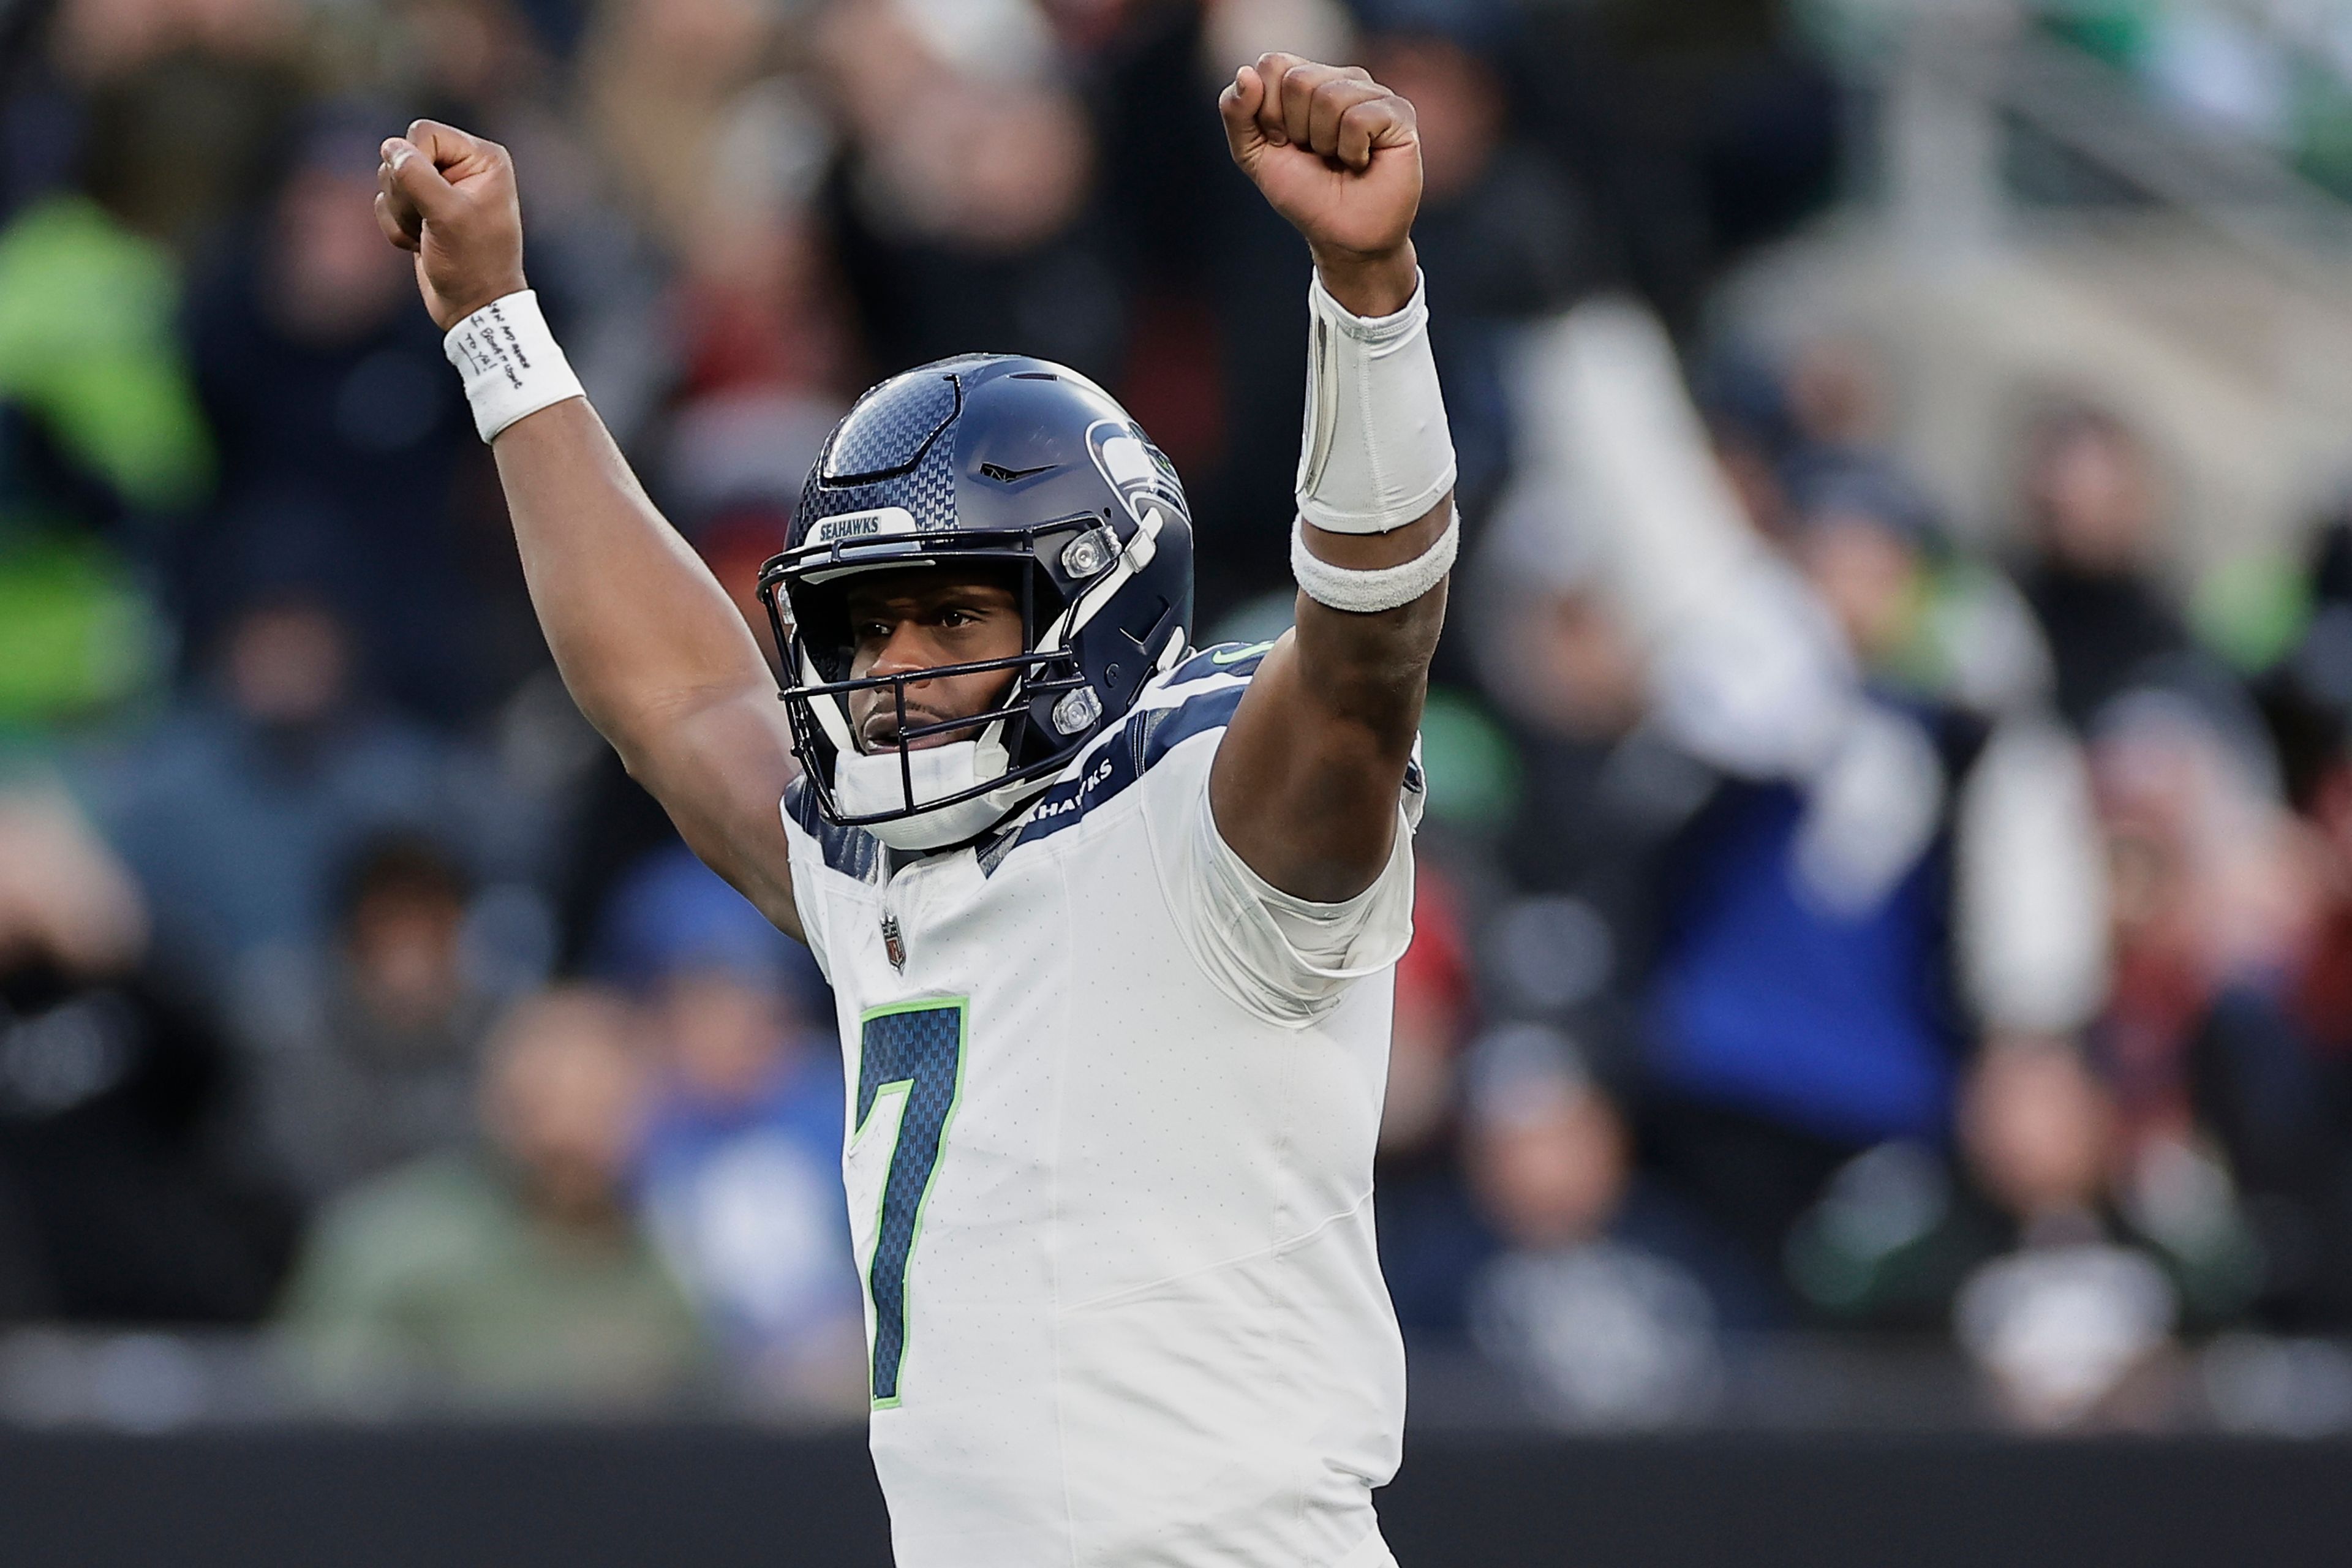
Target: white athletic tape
[(509, 361), (1366, 590), (1377, 454)]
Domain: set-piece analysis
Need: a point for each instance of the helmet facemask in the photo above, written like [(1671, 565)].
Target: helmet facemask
[(916, 797)]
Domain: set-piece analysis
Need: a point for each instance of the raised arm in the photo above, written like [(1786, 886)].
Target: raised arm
[(1306, 783), (650, 646)]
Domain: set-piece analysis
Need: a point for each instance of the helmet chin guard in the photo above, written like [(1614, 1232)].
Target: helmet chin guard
[(941, 780), (1006, 465)]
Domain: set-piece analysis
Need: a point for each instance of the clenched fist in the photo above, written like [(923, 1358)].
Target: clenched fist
[(1339, 156), (451, 198)]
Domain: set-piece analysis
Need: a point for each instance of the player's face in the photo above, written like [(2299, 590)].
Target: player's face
[(920, 620)]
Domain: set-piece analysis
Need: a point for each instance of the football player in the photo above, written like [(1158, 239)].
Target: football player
[(1111, 919)]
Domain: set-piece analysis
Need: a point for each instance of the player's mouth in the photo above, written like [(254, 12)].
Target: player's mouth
[(881, 732)]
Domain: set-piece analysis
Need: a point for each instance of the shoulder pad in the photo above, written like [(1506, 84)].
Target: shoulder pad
[(852, 851)]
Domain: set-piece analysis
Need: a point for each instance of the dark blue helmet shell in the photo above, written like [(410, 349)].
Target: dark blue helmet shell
[(999, 461)]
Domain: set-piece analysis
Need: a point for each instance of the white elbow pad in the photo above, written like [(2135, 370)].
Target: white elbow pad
[(509, 361), (1377, 454)]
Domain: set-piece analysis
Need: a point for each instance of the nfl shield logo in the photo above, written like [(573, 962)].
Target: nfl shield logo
[(894, 944)]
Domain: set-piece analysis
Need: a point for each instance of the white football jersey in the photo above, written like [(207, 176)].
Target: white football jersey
[(1112, 1109)]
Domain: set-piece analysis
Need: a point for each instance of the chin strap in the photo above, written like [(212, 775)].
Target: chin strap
[(864, 785)]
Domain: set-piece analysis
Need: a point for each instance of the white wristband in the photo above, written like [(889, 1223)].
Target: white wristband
[(1366, 591), (509, 361), (1377, 454)]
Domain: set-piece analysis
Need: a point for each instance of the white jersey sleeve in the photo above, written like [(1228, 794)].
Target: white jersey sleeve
[(822, 855), (1287, 960), (808, 893)]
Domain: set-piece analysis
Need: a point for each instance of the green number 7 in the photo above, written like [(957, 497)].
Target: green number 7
[(913, 1050)]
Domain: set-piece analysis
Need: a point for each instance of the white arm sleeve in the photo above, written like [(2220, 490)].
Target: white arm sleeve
[(1287, 960)]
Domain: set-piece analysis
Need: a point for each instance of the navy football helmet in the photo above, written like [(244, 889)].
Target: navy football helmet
[(1001, 462)]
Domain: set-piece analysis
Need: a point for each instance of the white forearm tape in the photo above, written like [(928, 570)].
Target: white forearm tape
[(509, 361), (1366, 591), (1377, 454)]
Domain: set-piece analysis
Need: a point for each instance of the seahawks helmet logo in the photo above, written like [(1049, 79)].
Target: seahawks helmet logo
[(1143, 477)]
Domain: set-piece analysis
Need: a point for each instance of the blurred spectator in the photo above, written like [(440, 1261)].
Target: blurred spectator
[(2064, 1264), (2216, 896), (718, 154), (1863, 881), (1925, 623), (741, 1173), (345, 449), (384, 1069), (680, 94), (1501, 233), (172, 110), (2062, 1322), (965, 208), (127, 1191), (1217, 323), (102, 415), (1603, 800), (1430, 1238), (2091, 513), (2272, 1066), (101, 443), (2212, 888), (1433, 1016), (1701, 130), (1591, 1299), (512, 1274), (238, 810)]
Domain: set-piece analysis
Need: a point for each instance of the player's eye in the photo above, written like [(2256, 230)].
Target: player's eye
[(955, 618)]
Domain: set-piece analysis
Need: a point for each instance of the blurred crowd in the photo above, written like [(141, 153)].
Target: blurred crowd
[(1824, 924), (2278, 71)]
